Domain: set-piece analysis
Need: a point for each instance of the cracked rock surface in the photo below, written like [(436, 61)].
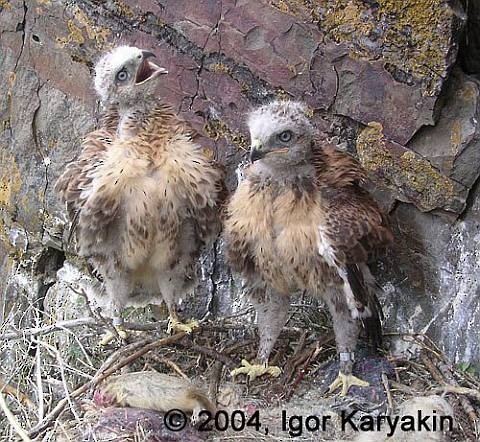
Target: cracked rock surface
[(365, 68)]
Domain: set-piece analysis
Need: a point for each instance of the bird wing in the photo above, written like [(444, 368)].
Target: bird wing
[(200, 183), (76, 183), (208, 216), (356, 228), (354, 231)]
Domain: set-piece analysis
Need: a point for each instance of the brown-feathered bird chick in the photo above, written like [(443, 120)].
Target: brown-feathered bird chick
[(153, 391), (143, 197), (299, 220)]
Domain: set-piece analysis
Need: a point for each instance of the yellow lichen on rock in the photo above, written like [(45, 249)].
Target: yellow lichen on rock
[(424, 178), (412, 35), (219, 67), (417, 27), (298, 8), (124, 9), (81, 27), (217, 129), (343, 20), (400, 169), (10, 179), (94, 32), (371, 149)]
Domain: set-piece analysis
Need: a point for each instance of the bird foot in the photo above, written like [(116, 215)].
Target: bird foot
[(346, 381), (175, 325), (254, 371), (109, 336)]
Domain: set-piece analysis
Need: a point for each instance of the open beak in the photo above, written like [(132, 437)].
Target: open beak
[(148, 69)]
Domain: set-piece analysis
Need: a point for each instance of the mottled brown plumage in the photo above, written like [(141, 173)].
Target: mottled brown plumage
[(144, 197), (300, 221)]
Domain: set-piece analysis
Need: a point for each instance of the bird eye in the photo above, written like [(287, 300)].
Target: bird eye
[(285, 136), (122, 75)]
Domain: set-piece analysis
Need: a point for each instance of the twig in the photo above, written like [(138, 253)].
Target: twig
[(100, 376), (404, 388), (13, 420), (171, 364), (215, 380), (36, 331), (388, 392), (457, 390), (210, 352), (301, 374), (446, 378), (62, 375), (40, 393)]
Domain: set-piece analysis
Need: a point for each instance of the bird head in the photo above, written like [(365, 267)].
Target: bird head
[(281, 134), (126, 74)]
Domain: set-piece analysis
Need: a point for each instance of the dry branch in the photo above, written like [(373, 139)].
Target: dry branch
[(100, 376), (13, 420)]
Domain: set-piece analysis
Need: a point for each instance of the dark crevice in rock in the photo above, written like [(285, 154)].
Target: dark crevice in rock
[(21, 28), (469, 51), (45, 271), (472, 198)]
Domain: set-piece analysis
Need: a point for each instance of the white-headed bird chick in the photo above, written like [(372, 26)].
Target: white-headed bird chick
[(144, 198), (300, 221)]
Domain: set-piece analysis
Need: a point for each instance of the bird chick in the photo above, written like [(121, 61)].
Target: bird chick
[(153, 391), (144, 198), (300, 220)]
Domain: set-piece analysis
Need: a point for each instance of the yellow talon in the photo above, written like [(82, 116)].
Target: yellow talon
[(346, 381), (175, 324), (254, 371), (109, 336)]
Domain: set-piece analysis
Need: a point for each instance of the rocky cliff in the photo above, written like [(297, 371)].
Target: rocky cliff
[(381, 77)]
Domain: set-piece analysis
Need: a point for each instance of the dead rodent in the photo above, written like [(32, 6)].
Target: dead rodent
[(152, 391)]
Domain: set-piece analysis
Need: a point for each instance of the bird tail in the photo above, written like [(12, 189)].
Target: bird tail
[(362, 286)]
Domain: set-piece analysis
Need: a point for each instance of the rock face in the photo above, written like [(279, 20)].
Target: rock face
[(378, 77)]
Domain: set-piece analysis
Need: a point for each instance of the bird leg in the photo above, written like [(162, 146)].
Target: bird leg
[(272, 312), (253, 371), (346, 331), (345, 378), (118, 289), (109, 336), (174, 323)]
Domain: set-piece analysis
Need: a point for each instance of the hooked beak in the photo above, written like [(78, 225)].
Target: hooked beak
[(148, 69), (256, 152), (148, 54)]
